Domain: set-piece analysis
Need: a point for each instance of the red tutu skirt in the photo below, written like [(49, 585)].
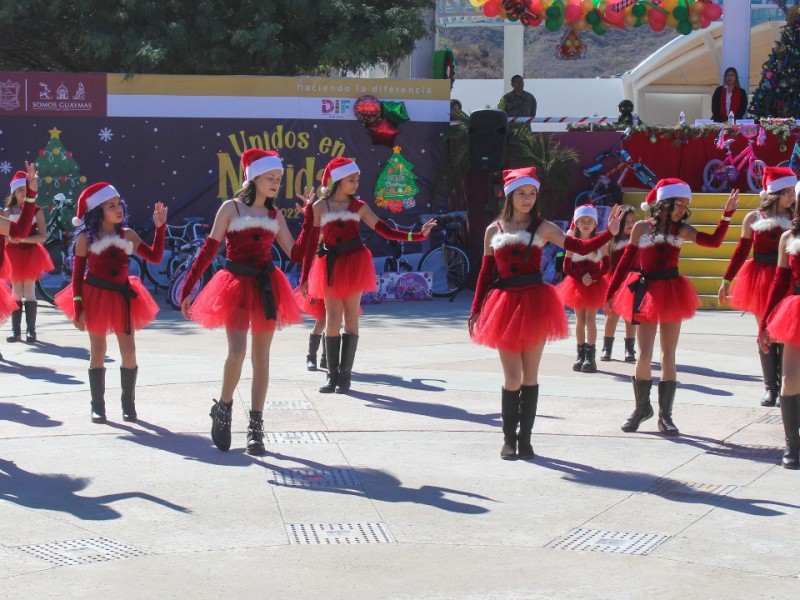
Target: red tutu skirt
[(751, 287), (5, 270), (106, 310), (784, 323), (515, 320), (665, 301), (8, 303), (28, 262), (353, 273), (578, 296), (235, 302), (313, 307)]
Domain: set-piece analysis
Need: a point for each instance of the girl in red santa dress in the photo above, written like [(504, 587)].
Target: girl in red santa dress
[(615, 248), (762, 230), (781, 324), (26, 261), (513, 309), (102, 297), (27, 186), (584, 287), (343, 268), (250, 293), (658, 296)]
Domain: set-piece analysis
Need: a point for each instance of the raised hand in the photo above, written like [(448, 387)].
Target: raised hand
[(615, 219), (160, 214), (307, 198), (426, 228), (32, 178), (733, 202)]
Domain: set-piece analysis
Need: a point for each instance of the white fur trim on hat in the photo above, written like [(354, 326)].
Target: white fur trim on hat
[(781, 183), (517, 183), (674, 190), (339, 173), (797, 189), (585, 210), (262, 165), (18, 183)]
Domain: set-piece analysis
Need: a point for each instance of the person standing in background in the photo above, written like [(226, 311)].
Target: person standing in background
[(518, 102), (728, 98)]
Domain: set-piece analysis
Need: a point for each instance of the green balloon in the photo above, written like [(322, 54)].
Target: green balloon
[(593, 17), (552, 24), (680, 13), (639, 10), (554, 12), (599, 29), (684, 27)]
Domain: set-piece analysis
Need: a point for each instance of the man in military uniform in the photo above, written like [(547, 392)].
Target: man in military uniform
[(518, 102)]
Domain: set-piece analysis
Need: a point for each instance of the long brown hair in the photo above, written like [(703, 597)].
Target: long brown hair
[(662, 215), (626, 210), (248, 196)]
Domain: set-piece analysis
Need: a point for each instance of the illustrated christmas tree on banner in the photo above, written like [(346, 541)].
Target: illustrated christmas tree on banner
[(396, 185), (59, 173), (776, 95)]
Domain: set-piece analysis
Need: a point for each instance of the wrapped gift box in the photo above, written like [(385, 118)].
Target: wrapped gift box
[(402, 287)]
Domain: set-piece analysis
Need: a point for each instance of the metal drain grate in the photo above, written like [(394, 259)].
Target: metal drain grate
[(749, 451), (685, 490), (338, 533), (770, 419), (296, 437), (342, 478), (288, 405), (617, 542), (81, 552)]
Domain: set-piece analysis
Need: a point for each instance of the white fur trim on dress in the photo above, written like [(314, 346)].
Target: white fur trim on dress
[(595, 257), (772, 223), (242, 223), (651, 240), (338, 215), (793, 245), (101, 245), (620, 244), (500, 240)]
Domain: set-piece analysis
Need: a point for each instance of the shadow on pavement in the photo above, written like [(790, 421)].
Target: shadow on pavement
[(395, 381), (42, 373), (25, 416)]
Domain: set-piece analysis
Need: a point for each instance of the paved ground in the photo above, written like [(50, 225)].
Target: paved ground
[(408, 465)]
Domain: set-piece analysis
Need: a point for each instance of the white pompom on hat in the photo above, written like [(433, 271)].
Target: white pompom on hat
[(19, 180), (336, 170), (92, 197), (778, 178), (256, 162), (516, 178), (671, 187)]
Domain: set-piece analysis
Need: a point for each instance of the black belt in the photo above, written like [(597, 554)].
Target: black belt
[(128, 293), (765, 259), (796, 290), (504, 283), (331, 252), (639, 287), (263, 283)]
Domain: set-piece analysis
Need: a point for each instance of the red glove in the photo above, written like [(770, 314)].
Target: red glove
[(78, 270), (569, 268), (485, 278), (155, 252), (739, 256), (22, 226), (396, 235), (604, 268), (201, 263), (778, 289), (300, 246), (584, 247), (622, 270), (308, 258), (714, 240)]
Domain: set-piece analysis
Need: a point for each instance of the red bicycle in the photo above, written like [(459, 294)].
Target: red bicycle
[(719, 175)]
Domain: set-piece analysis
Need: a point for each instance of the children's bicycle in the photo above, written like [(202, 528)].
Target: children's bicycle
[(397, 263), (719, 175), (448, 262)]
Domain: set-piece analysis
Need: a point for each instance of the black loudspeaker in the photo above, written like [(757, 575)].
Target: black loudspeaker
[(487, 140)]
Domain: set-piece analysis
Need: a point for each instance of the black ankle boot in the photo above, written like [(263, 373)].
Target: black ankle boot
[(528, 403), (16, 325), (255, 434), (323, 360), (666, 397), (221, 425), (349, 346), (589, 365), (630, 350), (643, 410), (510, 414), (127, 379), (332, 347), (790, 413), (578, 364), (608, 344), (97, 389), (313, 345), (31, 308), (769, 370)]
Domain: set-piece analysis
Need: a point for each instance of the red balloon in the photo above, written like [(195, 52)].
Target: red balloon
[(712, 11), (383, 132), (657, 25), (491, 8), (572, 13), (613, 16)]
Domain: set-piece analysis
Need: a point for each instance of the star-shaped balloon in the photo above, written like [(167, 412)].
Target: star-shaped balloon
[(383, 132), (395, 112)]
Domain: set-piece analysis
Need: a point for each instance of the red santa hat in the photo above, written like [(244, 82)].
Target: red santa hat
[(256, 162), (777, 179), (19, 180), (585, 210), (92, 197), (515, 178), (671, 187), (337, 169)]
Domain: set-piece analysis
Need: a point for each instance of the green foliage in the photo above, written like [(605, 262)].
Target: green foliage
[(209, 37)]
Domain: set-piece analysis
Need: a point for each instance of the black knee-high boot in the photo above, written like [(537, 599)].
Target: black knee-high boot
[(16, 325), (332, 346), (127, 378), (769, 370), (510, 414), (323, 360), (97, 389), (608, 344), (790, 413), (643, 410), (314, 340), (666, 397), (349, 346), (528, 403), (630, 350), (31, 308)]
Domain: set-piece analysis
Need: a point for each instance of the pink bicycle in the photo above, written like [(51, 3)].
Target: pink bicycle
[(719, 175)]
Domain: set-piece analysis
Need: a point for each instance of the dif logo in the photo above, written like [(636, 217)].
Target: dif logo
[(334, 107)]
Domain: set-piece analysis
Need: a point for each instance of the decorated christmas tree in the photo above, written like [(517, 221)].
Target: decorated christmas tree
[(776, 95), (59, 173), (396, 185)]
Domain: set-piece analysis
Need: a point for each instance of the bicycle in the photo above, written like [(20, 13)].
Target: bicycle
[(397, 263), (718, 175), (190, 251), (448, 262), (57, 244), (176, 237)]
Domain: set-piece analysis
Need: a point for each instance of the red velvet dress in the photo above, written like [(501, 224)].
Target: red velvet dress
[(752, 283), (8, 303), (353, 269), (28, 262), (237, 301), (668, 296), (515, 319), (107, 310), (783, 325), (574, 293)]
